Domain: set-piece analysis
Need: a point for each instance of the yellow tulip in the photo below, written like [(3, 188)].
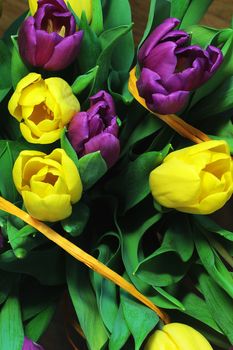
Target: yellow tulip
[(196, 179), (43, 107), (177, 336), (78, 7), (49, 184)]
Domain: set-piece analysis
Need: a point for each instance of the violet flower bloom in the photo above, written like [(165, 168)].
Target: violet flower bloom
[(30, 345), (96, 129), (49, 39), (171, 68)]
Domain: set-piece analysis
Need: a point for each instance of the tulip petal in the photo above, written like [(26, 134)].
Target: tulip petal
[(65, 52), (79, 131), (27, 41), (51, 208), (107, 144), (168, 104), (159, 340), (48, 41), (156, 36)]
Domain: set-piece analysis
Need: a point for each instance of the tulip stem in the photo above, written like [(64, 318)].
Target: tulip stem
[(81, 255), (176, 123)]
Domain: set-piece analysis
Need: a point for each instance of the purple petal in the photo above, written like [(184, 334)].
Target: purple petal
[(149, 83), (162, 59), (113, 128), (48, 41), (30, 345), (169, 104), (216, 58), (65, 52), (156, 36), (59, 4), (107, 144), (178, 36), (78, 131), (107, 98), (27, 41), (96, 126)]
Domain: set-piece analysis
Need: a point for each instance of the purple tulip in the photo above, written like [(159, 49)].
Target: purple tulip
[(171, 68), (49, 39), (96, 129), (30, 345)]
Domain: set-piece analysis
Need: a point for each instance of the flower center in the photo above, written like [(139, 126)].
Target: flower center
[(40, 113), (51, 28)]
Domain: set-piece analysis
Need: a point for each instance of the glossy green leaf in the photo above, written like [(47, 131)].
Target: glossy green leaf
[(213, 264), (91, 168), (97, 17), (120, 332), (36, 327), (7, 187), (179, 8), (195, 12), (140, 319), (5, 66), (123, 53), (11, 327), (219, 304), (211, 226), (84, 302), (76, 222), (83, 81), (66, 145), (18, 68)]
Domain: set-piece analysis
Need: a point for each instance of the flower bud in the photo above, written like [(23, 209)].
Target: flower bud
[(171, 68), (43, 107), (196, 179), (49, 39), (96, 129), (177, 336), (49, 184)]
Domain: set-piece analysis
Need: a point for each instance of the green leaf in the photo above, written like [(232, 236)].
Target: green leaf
[(91, 168), (7, 187), (166, 265), (197, 308), (213, 264), (219, 304), (202, 35), (5, 66), (84, 302), (76, 222), (11, 327), (150, 21), (211, 226), (120, 332), (179, 8), (65, 144), (123, 53), (108, 40), (106, 291), (18, 238), (6, 281), (97, 17), (118, 86), (83, 81), (36, 327), (195, 12), (136, 179), (90, 47), (140, 319), (18, 68)]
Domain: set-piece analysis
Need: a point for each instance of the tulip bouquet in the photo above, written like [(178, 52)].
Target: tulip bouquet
[(113, 161)]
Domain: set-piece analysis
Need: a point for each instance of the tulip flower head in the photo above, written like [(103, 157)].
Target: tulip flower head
[(196, 179), (171, 68), (177, 336), (49, 38), (49, 184), (78, 6), (43, 107), (30, 345), (96, 129)]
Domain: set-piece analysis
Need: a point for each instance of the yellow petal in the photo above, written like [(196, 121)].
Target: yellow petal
[(80, 6), (65, 99), (50, 208), (174, 184), (19, 165), (45, 138), (33, 6), (69, 173), (159, 340), (186, 338), (34, 94)]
